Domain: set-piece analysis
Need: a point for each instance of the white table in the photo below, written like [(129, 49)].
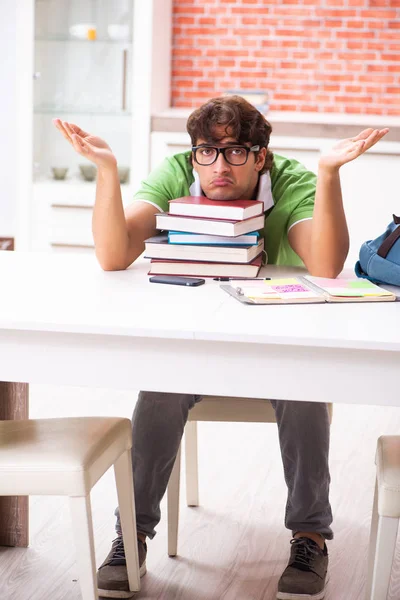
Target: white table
[(65, 321)]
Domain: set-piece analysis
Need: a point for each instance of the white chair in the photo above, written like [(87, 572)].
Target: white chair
[(211, 408), (66, 457), (385, 517)]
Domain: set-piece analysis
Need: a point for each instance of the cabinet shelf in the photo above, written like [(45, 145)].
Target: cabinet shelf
[(80, 111), (68, 39)]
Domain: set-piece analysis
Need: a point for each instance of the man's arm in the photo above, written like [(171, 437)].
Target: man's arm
[(119, 235), (323, 242)]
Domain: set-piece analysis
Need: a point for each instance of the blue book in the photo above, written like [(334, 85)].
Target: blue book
[(199, 239)]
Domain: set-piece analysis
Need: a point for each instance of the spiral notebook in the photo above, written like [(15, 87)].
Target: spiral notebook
[(307, 290)]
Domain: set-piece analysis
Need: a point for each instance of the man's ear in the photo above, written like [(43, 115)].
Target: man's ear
[(259, 164)]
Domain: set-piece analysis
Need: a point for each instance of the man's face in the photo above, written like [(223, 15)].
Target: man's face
[(223, 181)]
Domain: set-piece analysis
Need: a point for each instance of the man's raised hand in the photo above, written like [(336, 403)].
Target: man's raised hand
[(91, 147), (349, 149)]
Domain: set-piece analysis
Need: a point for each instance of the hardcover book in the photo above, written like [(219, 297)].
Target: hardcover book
[(205, 269), (158, 247), (200, 206), (165, 221)]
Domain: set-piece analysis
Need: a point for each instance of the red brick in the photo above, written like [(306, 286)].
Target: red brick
[(335, 45), (351, 34), (335, 14), (310, 45), (353, 99), (376, 46), (300, 54), (356, 45), (226, 63), (205, 84), (356, 56), (376, 77), (334, 23), (350, 23), (288, 65), (353, 89), (229, 42), (390, 57), (308, 108), (193, 9), (299, 11), (373, 89), (284, 107), (325, 77), (376, 24), (330, 88), (185, 20), (300, 97), (378, 14), (379, 2), (388, 35)]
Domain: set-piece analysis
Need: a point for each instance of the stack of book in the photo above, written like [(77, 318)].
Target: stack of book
[(208, 238)]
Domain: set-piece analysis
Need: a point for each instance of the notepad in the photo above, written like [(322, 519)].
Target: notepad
[(306, 290), (356, 290)]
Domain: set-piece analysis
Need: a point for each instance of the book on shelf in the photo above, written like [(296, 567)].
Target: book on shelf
[(200, 206), (197, 239), (230, 228), (158, 247), (311, 290), (205, 269)]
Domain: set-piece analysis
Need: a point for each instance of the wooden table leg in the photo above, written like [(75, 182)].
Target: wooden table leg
[(14, 512)]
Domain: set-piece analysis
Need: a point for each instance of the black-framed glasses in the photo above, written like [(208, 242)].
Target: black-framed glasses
[(206, 155)]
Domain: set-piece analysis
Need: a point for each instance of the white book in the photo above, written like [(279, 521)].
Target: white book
[(158, 247), (184, 237), (208, 226)]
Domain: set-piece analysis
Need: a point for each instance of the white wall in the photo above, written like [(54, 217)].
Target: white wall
[(8, 146)]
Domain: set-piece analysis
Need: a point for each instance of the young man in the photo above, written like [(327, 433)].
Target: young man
[(305, 223)]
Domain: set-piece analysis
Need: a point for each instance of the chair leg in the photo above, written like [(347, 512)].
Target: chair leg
[(191, 460), (173, 506), (81, 514), (126, 503), (385, 531), (372, 543)]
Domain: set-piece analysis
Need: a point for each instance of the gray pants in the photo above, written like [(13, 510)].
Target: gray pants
[(157, 428)]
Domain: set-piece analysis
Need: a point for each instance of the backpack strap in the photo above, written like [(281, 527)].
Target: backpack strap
[(391, 239)]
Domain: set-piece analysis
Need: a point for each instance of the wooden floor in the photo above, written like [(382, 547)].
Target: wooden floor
[(233, 547)]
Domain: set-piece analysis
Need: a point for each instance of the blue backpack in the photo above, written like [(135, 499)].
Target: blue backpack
[(380, 258)]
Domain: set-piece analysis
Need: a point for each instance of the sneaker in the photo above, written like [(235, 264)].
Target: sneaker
[(112, 576), (305, 576)]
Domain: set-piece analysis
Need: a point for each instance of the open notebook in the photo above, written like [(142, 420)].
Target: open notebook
[(303, 290)]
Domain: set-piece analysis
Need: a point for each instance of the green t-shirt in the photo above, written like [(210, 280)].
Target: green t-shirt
[(292, 187)]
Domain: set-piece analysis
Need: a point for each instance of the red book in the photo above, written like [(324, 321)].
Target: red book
[(200, 206), (205, 269)]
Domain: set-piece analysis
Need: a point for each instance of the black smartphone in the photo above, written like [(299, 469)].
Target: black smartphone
[(174, 280)]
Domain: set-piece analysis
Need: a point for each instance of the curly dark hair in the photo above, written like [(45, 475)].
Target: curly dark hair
[(240, 119)]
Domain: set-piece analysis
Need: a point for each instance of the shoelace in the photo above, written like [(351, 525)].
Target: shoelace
[(304, 553), (118, 555)]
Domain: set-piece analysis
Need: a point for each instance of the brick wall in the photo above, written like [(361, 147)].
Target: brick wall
[(327, 56)]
